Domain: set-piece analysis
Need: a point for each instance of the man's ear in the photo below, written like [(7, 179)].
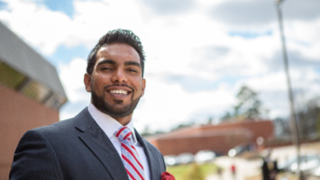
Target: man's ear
[(143, 86), (87, 82)]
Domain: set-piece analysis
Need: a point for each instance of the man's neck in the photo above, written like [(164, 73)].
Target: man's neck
[(123, 120)]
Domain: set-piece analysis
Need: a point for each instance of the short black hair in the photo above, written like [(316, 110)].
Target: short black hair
[(117, 36)]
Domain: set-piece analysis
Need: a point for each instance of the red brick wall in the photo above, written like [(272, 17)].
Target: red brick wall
[(194, 144), (219, 138), (18, 114), (257, 128)]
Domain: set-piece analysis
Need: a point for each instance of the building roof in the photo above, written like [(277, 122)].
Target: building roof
[(264, 127), (19, 55)]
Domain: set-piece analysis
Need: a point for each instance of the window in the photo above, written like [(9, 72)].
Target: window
[(10, 77)]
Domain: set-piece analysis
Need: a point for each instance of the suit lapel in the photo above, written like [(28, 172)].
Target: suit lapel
[(96, 140), (150, 156)]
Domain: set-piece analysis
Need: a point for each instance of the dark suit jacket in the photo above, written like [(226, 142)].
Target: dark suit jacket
[(75, 149), (266, 172)]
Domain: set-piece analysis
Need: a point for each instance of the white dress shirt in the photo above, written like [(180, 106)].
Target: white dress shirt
[(109, 125)]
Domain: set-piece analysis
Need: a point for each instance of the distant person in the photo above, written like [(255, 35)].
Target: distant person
[(219, 172), (100, 142), (233, 171), (269, 168)]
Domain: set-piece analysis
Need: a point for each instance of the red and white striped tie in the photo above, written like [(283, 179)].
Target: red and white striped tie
[(129, 155)]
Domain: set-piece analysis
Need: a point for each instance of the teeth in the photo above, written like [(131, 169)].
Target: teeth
[(119, 92)]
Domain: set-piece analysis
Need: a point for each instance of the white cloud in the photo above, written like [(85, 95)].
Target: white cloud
[(71, 76), (46, 29), (166, 104), (40, 27), (190, 44)]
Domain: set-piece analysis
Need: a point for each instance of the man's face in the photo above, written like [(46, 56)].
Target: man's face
[(116, 83)]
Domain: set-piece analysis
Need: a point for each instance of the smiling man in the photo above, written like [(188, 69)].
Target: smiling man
[(116, 81), (100, 142)]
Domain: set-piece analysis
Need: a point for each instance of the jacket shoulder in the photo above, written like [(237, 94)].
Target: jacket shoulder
[(58, 127), (152, 147)]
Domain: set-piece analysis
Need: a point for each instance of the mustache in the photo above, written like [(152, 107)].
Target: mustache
[(119, 85)]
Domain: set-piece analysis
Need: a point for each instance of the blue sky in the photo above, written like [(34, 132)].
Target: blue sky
[(199, 53), (2, 5), (64, 54), (60, 5), (249, 35)]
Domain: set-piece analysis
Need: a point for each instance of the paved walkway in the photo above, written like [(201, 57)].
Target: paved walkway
[(249, 168), (245, 168)]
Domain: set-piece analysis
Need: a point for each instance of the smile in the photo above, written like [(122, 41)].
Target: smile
[(120, 91)]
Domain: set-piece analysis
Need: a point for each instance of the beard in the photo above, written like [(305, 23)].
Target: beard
[(112, 109)]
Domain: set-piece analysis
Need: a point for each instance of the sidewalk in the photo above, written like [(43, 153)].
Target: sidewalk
[(245, 168)]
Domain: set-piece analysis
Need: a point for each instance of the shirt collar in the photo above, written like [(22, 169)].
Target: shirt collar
[(108, 124)]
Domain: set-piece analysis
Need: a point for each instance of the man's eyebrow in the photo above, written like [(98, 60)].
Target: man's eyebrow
[(130, 63), (106, 61)]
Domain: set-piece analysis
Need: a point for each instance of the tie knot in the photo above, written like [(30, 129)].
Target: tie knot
[(123, 133)]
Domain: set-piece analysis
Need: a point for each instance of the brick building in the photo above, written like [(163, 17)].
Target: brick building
[(31, 94), (218, 138)]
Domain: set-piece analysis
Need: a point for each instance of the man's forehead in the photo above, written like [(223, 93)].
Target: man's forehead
[(116, 45), (118, 49), (115, 52)]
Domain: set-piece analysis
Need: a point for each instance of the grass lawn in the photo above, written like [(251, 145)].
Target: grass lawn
[(279, 177), (180, 170)]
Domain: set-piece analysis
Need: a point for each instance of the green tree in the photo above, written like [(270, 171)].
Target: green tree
[(210, 120), (248, 106), (227, 117), (318, 124), (308, 116)]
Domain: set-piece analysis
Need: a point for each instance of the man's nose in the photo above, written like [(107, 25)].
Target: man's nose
[(119, 77)]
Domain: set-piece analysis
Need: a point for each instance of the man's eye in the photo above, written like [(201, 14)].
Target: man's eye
[(106, 68), (132, 70)]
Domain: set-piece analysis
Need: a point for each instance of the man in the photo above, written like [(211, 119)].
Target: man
[(89, 146), (269, 168)]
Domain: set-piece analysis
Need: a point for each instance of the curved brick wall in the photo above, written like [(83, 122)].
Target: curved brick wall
[(18, 114)]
